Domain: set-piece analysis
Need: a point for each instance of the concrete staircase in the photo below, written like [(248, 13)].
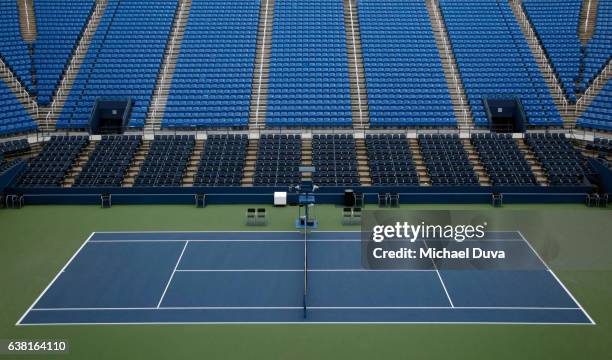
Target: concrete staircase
[(163, 85), (421, 168), (78, 165), (22, 94), (550, 76), (250, 163), (137, 161), (27, 20), (48, 120), (588, 19), (533, 162), (259, 90), (461, 107), (193, 163), (359, 93), (479, 169), (306, 157), (363, 163)]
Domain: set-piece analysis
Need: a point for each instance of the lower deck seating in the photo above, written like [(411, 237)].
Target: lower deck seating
[(503, 160), (49, 168), (14, 147), (335, 160), (166, 162), (563, 164), (109, 162), (391, 161), (5, 165), (278, 160), (222, 162), (603, 146), (447, 161)]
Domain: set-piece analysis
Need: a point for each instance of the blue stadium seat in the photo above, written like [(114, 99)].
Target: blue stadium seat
[(222, 163), (447, 161), (13, 50), (278, 161), (14, 118), (503, 160), (391, 162), (335, 160)]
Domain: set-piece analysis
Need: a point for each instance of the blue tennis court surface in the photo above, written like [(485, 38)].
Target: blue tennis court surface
[(258, 277)]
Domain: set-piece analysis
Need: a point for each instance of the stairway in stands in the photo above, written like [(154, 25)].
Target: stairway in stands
[(421, 168), (481, 172), (27, 20), (259, 91), (536, 167), (137, 161), (78, 165), (163, 85), (192, 164), (359, 93), (569, 112), (48, 116), (250, 163), (363, 163), (461, 107), (588, 19), (306, 157)]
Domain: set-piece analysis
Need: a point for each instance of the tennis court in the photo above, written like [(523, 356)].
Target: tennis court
[(259, 277)]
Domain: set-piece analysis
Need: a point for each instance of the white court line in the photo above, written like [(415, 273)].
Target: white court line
[(54, 279), (222, 240), (557, 278), (311, 307), (172, 275), (306, 323), (302, 270), (440, 277)]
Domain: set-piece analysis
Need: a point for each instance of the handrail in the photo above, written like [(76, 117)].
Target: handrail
[(261, 65), (356, 67)]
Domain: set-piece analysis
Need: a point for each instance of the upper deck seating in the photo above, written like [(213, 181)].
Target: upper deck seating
[(309, 80), (405, 79)]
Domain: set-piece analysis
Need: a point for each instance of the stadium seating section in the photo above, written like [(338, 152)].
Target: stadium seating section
[(59, 24), (391, 162), (563, 164), (405, 79), (599, 114), (447, 161), (308, 81), (599, 48), (603, 146), (49, 168), (335, 160), (7, 164), (166, 162), (14, 147), (278, 160), (494, 59), (123, 60), (13, 50), (109, 162), (212, 81), (503, 160), (14, 117), (556, 23), (222, 163)]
